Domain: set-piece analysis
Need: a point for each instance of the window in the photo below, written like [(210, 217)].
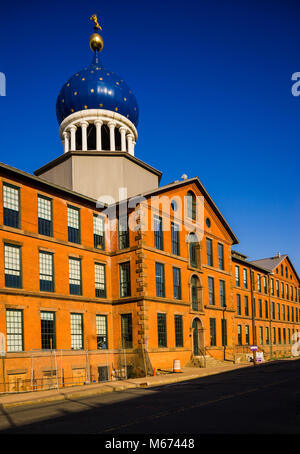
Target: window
[(260, 308), (211, 291), (247, 335), (289, 335), (191, 205), (221, 256), (281, 270), (293, 313), (160, 279), (75, 276), (288, 313), (100, 280), (237, 276), (245, 278), (287, 291), (279, 336), (175, 238), (261, 339), (46, 272), (212, 325), (283, 312), (273, 310), (224, 332), (246, 302), (277, 288), (158, 233), (101, 331), (278, 311), (177, 283), (265, 285), (99, 232), (11, 206), (222, 294), (274, 335), (126, 330), (14, 330), (45, 216), (76, 331), (123, 232), (162, 330), (73, 225), (195, 293), (292, 293), (259, 282), (193, 248), (284, 335), (48, 330), (12, 266), (209, 252), (238, 304), (272, 286), (239, 330), (266, 309), (125, 286), (286, 272), (178, 331), (282, 290)]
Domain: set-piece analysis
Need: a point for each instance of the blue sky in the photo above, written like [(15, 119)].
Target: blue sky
[(213, 83)]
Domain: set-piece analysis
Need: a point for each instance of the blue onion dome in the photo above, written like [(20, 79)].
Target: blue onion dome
[(96, 87)]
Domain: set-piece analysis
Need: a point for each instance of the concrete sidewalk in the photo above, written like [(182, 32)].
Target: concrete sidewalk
[(29, 398)]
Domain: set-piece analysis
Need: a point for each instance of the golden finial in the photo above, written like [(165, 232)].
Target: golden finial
[(96, 40)]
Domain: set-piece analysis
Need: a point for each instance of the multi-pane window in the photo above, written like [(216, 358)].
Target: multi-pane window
[(45, 216), (177, 283), (282, 290), (238, 304), (125, 287), (292, 293), (222, 294), (101, 331), (158, 233), (193, 248), (284, 335), (73, 225), (247, 335), (261, 340), (246, 302), (273, 310), (175, 238), (14, 330), (266, 309), (293, 313), (178, 330), (259, 282), (237, 276), (224, 331), (46, 272), (195, 293), (99, 229), (221, 256), (245, 278), (48, 330), (277, 288), (100, 280), (260, 308), (289, 335), (123, 232), (160, 279), (11, 206), (211, 291), (76, 331), (265, 285), (274, 335), (239, 331), (209, 252), (12, 266), (126, 330), (75, 276), (213, 334), (278, 311), (287, 291), (283, 312), (162, 330), (191, 205), (279, 335), (272, 286)]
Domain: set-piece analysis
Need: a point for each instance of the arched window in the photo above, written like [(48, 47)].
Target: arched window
[(191, 205)]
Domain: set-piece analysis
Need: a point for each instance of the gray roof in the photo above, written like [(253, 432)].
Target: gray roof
[(269, 263)]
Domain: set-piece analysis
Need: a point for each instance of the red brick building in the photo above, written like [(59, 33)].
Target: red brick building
[(90, 289)]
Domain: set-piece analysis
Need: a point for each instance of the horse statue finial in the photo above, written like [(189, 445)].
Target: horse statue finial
[(94, 18)]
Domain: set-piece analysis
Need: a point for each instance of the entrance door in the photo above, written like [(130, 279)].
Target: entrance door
[(195, 328)]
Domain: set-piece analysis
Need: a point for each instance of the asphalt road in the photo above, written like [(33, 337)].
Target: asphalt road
[(259, 400)]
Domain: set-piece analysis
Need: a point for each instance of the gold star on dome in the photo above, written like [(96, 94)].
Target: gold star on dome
[(83, 78), (116, 109), (92, 90), (75, 93), (85, 107)]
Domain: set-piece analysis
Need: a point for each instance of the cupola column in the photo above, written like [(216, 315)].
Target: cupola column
[(98, 125), (73, 137), (112, 126), (84, 125), (130, 138), (66, 141), (123, 131)]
